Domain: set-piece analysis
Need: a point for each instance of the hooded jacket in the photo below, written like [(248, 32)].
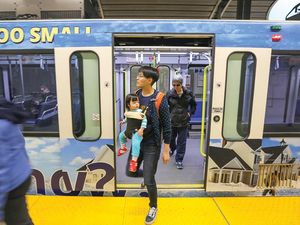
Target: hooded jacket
[(181, 107), (14, 162)]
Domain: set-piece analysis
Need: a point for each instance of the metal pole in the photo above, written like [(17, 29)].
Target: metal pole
[(22, 77), (243, 11)]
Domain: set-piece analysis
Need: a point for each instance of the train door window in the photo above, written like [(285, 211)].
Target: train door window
[(163, 83), (238, 96), (28, 81), (283, 101), (134, 70), (85, 98)]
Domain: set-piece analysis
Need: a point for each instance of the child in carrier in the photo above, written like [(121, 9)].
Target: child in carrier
[(136, 123)]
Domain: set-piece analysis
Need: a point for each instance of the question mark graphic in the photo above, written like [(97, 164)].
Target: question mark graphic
[(55, 180), (109, 173)]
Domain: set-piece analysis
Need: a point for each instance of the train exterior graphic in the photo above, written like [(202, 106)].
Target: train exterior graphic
[(73, 76)]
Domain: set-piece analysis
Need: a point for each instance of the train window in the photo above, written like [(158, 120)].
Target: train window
[(238, 96), (283, 101), (28, 81), (1, 85), (85, 96), (163, 83)]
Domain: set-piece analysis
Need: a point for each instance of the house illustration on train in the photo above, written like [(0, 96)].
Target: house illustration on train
[(245, 165)]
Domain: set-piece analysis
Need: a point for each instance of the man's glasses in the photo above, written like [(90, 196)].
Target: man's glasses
[(176, 85)]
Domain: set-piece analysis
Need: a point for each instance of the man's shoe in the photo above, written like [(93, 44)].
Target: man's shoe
[(151, 216), (179, 165)]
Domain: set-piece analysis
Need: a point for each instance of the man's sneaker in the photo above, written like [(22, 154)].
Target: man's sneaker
[(133, 166), (151, 216), (179, 165)]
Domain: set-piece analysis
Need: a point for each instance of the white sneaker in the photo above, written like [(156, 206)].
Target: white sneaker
[(179, 165), (150, 218)]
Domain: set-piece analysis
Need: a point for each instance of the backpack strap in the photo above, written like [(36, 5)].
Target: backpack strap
[(158, 100), (138, 91)]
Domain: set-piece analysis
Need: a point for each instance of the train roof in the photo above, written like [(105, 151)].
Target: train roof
[(78, 33)]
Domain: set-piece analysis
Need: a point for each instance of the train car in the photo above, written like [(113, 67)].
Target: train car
[(73, 75)]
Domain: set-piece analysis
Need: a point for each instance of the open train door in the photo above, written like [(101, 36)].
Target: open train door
[(85, 100), (239, 96)]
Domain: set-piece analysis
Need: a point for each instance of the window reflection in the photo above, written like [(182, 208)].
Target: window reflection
[(28, 81), (283, 102)]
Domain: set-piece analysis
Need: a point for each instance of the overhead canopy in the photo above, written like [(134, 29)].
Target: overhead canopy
[(136, 9), (182, 9)]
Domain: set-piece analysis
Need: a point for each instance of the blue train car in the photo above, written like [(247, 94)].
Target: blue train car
[(73, 76)]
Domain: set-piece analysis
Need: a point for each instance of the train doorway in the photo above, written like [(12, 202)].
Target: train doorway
[(189, 56)]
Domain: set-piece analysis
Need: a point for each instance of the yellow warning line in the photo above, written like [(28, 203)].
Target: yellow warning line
[(163, 186)]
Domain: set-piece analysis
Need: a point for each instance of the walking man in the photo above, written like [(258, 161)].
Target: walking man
[(158, 120)]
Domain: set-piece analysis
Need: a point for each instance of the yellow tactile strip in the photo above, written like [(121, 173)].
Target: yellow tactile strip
[(54, 210), (260, 210), (60, 210)]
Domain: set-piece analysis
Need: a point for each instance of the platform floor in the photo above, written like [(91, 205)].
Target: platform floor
[(60, 210)]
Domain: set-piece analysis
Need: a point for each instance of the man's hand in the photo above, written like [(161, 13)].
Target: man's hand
[(2, 223), (166, 155)]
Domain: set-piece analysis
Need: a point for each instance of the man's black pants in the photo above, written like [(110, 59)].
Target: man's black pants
[(16, 212), (150, 156)]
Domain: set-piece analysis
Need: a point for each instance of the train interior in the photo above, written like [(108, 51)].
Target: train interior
[(28, 80), (283, 102), (188, 56)]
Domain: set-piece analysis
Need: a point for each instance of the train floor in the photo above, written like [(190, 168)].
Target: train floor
[(191, 175), (62, 210)]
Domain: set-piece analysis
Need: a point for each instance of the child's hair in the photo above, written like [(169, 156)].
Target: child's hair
[(129, 98)]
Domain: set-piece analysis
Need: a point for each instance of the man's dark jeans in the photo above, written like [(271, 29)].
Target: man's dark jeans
[(179, 145), (150, 156), (16, 212)]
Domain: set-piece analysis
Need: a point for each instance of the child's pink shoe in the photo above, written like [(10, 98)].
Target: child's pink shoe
[(133, 166), (121, 151)]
